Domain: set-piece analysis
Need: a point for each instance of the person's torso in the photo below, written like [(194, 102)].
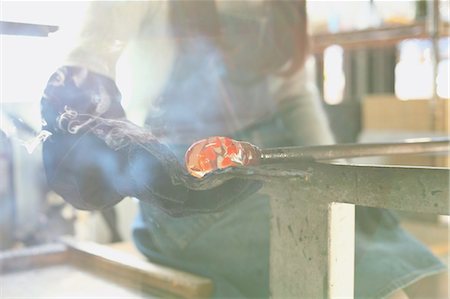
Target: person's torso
[(190, 92)]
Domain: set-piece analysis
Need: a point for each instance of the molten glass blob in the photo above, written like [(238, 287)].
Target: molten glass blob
[(213, 153)]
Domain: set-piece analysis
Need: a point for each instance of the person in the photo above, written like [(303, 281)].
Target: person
[(190, 70)]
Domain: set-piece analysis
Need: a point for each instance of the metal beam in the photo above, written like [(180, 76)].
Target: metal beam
[(299, 244), (15, 28), (415, 189)]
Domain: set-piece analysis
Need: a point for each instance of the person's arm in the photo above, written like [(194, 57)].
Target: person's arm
[(85, 84), (299, 102), (86, 161), (107, 28)]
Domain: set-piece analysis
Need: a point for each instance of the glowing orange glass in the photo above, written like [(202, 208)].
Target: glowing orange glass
[(213, 153)]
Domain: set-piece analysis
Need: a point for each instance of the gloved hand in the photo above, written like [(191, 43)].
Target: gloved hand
[(92, 169)]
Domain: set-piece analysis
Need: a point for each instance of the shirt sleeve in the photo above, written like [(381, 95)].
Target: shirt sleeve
[(107, 28), (299, 102)]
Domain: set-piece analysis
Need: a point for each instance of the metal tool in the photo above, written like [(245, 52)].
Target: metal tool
[(208, 155)]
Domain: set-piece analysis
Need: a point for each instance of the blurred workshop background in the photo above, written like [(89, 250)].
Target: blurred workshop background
[(382, 68)]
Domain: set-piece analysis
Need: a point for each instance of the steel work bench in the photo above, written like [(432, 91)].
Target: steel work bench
[(312, 225)]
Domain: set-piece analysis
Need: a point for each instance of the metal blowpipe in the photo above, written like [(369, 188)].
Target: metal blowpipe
[(207, 155)]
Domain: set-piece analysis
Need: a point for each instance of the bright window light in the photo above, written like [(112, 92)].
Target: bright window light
[(27, 62), (414, 71), (442, 80), (333, 75), (414, 78)]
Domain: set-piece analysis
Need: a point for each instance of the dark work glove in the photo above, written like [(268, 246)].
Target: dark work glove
[(92, 166)]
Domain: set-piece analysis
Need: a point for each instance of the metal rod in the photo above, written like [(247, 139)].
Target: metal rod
[(251, 155), (340, 151)]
